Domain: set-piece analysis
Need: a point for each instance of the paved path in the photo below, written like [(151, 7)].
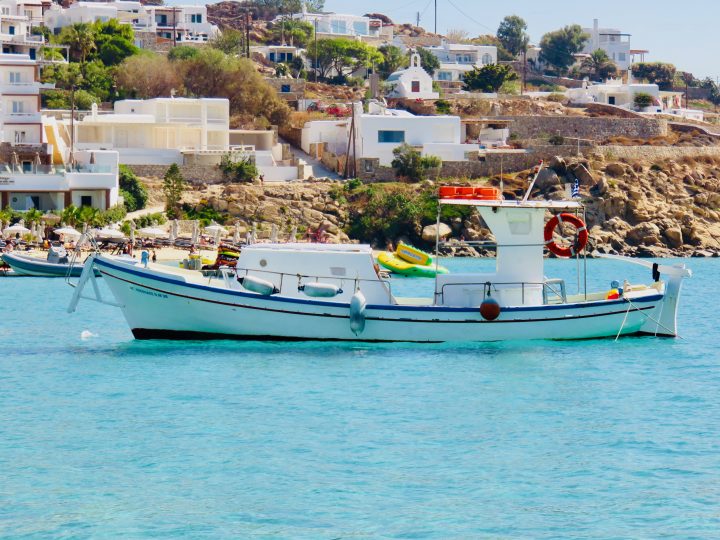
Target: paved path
[(319, 170), (145, 211)]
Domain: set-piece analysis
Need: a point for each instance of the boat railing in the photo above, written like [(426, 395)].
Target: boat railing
[(356, 281), (551, 288)]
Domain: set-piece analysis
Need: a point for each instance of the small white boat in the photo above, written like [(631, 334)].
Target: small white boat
[(333, 292)]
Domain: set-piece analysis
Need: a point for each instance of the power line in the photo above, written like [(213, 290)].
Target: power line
[(469, 17)]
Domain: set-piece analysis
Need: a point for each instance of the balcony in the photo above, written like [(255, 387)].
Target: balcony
[(21, 118), (20, 88)]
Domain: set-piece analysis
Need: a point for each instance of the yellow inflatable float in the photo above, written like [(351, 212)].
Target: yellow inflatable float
[(410, 261)]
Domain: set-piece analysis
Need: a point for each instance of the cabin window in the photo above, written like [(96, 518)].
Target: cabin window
[(27, 166), (391, 136), (415, 86)]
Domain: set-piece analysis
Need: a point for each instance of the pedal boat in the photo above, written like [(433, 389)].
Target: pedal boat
[(333, 292)]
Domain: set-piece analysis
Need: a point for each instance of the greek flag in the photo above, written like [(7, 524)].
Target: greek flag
[(575, 189)]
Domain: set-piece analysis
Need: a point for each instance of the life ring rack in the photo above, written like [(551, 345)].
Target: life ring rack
[(581, 238)]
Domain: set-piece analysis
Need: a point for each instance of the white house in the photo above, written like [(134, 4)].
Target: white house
[(413, 82), (456, 59), (381, 130), (183, 24), (344, 25), (92, 181), (20, 120), (17, 21), (157, 131), (615, 43)]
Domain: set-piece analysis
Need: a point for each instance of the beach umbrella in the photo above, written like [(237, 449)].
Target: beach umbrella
[(51, 218), (173, 230), (67, 231), (215, 229), (253, 234), (15, 161), (152, 232), (107, 232), (195, 232), (274, 234), (236, 234), (132, 232), (37, 162), (17, 228), (293, 234)]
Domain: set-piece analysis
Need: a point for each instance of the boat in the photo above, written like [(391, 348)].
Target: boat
[(333, 292), (57, 264), (410, 261)]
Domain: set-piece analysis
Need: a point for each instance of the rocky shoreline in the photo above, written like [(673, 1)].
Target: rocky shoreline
[(669, 208)]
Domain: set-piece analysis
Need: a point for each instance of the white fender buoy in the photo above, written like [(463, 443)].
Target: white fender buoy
[(320, 290), (258, 285), (357, 313)]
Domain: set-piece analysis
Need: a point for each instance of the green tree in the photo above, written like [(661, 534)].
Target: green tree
[(411, 165), (132, 189), (173, 188), (81, 39), (599, 66), (503, 55), (642, 100), (430, 62), (393, 59), (560, 46), (343, 56), (243, 170), (658, 73), (230, 41), (70, 215), (489, 78), (185, 52), (512, 34), (114, 42), (292, 31)]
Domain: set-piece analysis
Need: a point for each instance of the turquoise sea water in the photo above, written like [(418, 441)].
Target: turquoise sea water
[(102, 436)]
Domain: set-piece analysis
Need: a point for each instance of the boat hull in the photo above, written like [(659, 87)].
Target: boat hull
[(159, 306), (32, 266)]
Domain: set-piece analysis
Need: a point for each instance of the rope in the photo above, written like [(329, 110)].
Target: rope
[(648, 316)]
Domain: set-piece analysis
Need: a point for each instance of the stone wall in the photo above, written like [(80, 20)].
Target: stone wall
[(657, 153), (489, 164), (525, 127), (193, 174)]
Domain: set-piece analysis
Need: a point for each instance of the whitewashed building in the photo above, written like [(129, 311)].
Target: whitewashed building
[(412, 82), (344, 25), (19, 20), (183, 24), (614, 42), (158, 131), (456, 59), (20, 119), (381, 130)]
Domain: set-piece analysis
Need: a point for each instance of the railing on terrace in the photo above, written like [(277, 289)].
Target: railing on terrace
[(7, 168)]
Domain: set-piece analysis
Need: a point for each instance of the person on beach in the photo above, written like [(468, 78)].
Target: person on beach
[(154, 256)]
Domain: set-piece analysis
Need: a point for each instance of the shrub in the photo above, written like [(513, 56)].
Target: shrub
[(238, 171), (642, 100), (113, 214), (205, 213), (557, 140), (556, 98), (132, 190), (411, 165), (442, 106)]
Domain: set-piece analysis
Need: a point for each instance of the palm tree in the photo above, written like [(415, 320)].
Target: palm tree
[(33, 216), (70, 215), (598, 65), (80, 38), (6, 215), (89, 215)]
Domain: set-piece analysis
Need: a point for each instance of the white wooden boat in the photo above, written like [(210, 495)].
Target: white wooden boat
[(327, 292)]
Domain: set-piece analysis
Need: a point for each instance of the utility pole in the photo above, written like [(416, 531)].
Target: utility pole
[(248, 18), (315, 62), (524, 70), (174, 12)]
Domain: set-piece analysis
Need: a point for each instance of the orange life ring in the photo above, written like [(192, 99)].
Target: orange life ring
[(580, 240)]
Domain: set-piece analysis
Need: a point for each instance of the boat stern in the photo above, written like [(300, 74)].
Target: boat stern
[(665, 323)]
